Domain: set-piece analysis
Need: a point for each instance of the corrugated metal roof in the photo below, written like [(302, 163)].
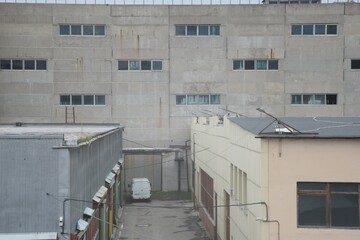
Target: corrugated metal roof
[(310, 127), (29, 236)]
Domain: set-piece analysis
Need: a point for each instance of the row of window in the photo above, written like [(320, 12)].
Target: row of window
[(21, 64), (140, 65), (327, 99), (329, 205), (197, 30), (82, 30), (197, 99), (255, 64), (313, 29), (82, 99)]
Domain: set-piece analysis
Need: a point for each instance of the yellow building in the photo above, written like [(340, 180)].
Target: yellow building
[(271, 179)]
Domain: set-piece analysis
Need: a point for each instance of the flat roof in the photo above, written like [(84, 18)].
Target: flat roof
[(76, 130), (309, 127)]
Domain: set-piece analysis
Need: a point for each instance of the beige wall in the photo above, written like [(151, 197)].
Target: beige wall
[(318, 160)]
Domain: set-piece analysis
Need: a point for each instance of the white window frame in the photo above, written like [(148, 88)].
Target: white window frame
[(82, 30), (82, 100), (314, 31)]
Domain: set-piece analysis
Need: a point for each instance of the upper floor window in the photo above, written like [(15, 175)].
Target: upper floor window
[(21, 64), (255, 64), (313, 29), (197, 99), (327, 99), (355, 64), (81, 30), (140, 65), (330, 205), (197, 30), (207, 191), (82, 99)]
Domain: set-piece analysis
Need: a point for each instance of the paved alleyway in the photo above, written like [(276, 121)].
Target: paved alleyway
[(161, 220)]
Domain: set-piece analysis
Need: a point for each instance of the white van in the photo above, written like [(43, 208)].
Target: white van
[(140, 188)]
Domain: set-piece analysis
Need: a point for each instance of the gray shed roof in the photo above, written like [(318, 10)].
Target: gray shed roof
[(309, 127)]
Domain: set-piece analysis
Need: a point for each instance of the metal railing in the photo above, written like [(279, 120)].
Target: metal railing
[(171, 2)]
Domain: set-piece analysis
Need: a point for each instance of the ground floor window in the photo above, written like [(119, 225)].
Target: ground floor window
[(332, 205), (207, 190)]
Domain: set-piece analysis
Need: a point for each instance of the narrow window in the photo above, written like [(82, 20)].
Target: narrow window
[(295, 29), (29, 64), (41, 65), (191, 30), (245, 188), (76, 100), (203, 30), (99, 99), (181, 100), (157, 65), (123, 65), (249, 65), (75, 29), (355, 64), (88, 30), (65, 100), (17, 64), (240, 186), (231, 178), (238, 65), (88, 99), (64, 29), (99, 30), (273, 64), (5, 64), (331, 29), (180, 30), (215, 30), (236, 183), (134, 65), (146, 65), (308, 29)]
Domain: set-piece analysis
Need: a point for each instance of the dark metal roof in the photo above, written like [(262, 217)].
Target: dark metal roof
[(309, 127)]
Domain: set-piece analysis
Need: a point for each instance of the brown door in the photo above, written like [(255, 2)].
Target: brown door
[(227, 216)]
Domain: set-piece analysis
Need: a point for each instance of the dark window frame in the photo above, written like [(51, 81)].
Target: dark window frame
[(355, 64)]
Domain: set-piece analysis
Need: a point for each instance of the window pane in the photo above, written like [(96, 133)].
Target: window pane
[(311, 210), (180, 100), (123, 65), (238, 65), (145, 65), (215, 99), (88, 30), (295, 99), (180, 30), (64, 29), (75, 29), (41, 65), (249, 64), (191, 30), (345, 210), (215, 30), (192, 99), (308, 29), (320, 29), (134, 65), (89, 100), (344, 187), (331, 99), (203, 99), (355, 64), (64, 99), (319, 99), (29, 64), (308, 99), (273, 64), (296, 30), (309, 186), (17, 64), (157, 65), (99, 99), (331, 29), (203, 30), (5, 64), (100, 30), (261, 65), (76, 99)]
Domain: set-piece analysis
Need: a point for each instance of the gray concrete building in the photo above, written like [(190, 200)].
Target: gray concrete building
[(49, 174), (152, 68)]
